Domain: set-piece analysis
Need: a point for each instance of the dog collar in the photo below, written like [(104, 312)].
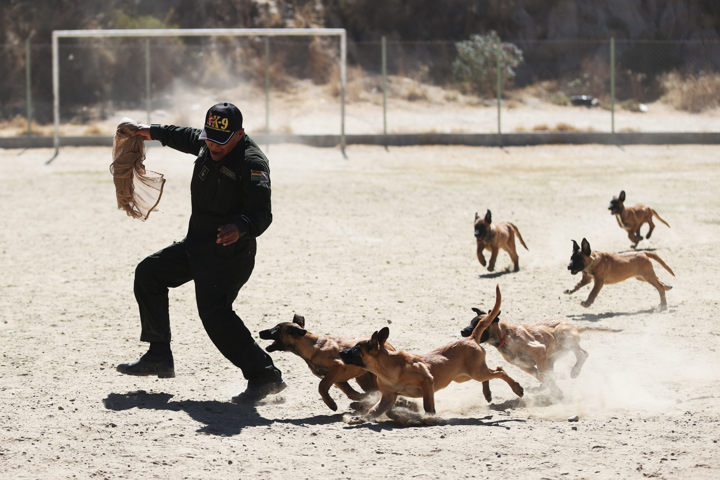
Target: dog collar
[(502, 342), (591, 263)]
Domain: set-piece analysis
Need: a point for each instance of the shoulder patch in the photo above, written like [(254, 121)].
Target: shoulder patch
[(260, 177)]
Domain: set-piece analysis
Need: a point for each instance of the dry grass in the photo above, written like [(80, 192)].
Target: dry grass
[(559, 127), (94, 130), (18, 126), (692, 93)]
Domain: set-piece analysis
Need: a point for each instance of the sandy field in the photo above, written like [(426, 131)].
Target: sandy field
[(380, 238)]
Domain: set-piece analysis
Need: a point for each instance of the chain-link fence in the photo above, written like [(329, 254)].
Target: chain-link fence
[(292, 86)]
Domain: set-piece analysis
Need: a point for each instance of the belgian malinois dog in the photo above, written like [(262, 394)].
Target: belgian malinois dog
[(605, 268), (632, 218), (322, 356), (493, 237)]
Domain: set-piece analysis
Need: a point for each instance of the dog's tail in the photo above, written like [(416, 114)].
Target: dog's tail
[(517, 232), (659, 218), (599, 329), (655, 257), (487, 319)]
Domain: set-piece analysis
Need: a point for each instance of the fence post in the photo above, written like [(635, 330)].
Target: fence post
[(28, 85), (612, 84), (384, 85), (499, 91), (148, 100), (267, 85)]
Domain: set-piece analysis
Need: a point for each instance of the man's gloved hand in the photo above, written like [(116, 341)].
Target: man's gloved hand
[(229, 234), (143, 131)]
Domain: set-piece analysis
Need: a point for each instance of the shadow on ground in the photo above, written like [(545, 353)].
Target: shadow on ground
[(496, 274), (218, 418), (596, 317)]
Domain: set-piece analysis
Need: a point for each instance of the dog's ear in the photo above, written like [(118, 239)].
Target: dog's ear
[(383, 335), (476, 216), (478, 311), (374, 342), (622, 196), (586, 247), (576, 247), (488, 216), (297, 332), (299, 319)]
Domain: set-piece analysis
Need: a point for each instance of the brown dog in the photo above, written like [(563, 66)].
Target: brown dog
[(632, 218), (493, 237), (321, 355), (602, 268), (534, 348), (402, 373)]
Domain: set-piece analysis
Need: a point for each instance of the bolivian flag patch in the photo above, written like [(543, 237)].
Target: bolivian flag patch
[(260, 177)]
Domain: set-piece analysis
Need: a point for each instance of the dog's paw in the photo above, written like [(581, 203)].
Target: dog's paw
[(407, 404), (569, 292), (355, 420), (585, 303)]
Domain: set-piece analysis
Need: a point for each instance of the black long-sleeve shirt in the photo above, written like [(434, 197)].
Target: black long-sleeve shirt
[(235, 189)]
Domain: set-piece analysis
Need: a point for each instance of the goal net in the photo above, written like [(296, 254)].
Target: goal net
[(286, 81)]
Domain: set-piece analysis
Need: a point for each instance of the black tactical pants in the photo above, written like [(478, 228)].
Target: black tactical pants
[(218, 278)]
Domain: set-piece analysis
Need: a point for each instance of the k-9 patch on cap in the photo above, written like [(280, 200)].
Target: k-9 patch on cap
[(260, 177), (221, 122)]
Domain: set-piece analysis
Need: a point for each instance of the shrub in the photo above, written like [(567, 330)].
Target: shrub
[(475, 67), (692, 93)]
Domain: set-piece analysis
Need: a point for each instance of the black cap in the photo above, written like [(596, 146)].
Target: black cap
[(221, 121)]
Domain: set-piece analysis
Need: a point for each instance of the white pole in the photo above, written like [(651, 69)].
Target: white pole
[(202, 32), (343, 58), (56, 96)]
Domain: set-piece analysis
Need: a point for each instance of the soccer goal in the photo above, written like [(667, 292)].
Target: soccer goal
[(57, 35)]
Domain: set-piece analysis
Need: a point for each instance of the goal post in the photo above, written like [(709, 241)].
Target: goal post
[(193, 32)]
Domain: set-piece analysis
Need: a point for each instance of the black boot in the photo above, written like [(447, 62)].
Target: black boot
[(258, 389), (157, 361)]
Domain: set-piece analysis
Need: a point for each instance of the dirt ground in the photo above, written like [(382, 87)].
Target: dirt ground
[(382, 238)]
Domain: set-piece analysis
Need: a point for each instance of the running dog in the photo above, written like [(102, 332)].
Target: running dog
[(534, 348), (605, 268), (493, 237), (632, 218), (403, 373), (321, 355)]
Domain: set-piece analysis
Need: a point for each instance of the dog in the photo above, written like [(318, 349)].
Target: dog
[(321, 355), (493, 237), (402, 373), (632, 218), (602, 268), (534, 348)]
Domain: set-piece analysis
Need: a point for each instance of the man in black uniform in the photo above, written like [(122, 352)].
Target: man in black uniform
[(230, 194)]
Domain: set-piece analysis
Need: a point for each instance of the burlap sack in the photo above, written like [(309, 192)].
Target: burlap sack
[(138, 191)]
